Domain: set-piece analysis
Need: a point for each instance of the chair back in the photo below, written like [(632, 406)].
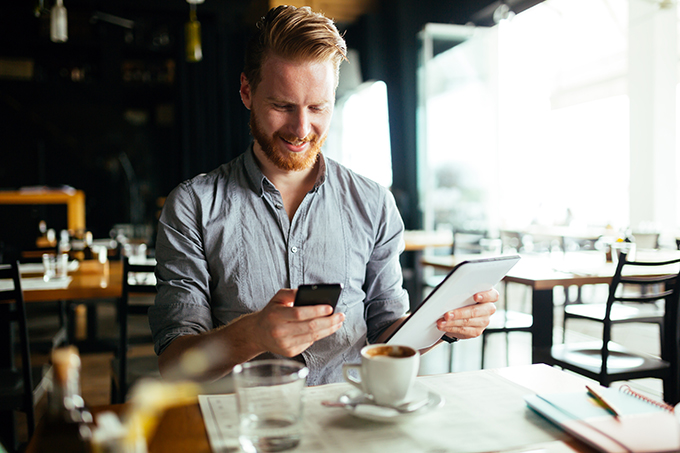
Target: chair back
[(648, 241), (137, 279), (14, 312), (661, 284)]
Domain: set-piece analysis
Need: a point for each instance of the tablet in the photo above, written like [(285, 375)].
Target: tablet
[(456, 290)]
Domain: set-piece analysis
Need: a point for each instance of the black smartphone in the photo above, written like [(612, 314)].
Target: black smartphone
[(323, 293)]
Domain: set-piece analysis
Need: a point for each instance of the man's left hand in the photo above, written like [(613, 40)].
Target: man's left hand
[(470, 322)]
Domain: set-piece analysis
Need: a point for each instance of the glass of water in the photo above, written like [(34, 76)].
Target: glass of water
[(269, 398)]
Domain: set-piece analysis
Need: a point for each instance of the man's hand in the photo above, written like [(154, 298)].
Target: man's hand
[(470, 322), (284, 329)]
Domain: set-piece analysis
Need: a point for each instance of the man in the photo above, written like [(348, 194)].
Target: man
[(231, 242)]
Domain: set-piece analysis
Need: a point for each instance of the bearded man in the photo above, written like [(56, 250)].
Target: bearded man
[(234, 244)]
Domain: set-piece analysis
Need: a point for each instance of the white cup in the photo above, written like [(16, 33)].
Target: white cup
[(386, 372)]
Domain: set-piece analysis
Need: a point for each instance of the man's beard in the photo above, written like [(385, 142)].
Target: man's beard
[(283, 159)]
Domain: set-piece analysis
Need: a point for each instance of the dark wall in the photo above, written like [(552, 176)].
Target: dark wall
[(120, 114)]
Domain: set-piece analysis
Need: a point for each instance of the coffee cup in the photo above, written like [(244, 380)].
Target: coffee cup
[(386, 373)]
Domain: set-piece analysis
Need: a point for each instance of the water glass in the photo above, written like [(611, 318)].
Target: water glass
[(269, 399), (50, 266)]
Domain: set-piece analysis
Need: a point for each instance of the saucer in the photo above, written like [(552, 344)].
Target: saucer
[(361, 405)]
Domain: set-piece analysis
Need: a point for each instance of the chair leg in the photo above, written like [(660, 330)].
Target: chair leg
[(483, 348), (507, 348)]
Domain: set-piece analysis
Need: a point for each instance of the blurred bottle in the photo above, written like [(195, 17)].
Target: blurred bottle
[(87, 246), (68, 423), (64, 242)]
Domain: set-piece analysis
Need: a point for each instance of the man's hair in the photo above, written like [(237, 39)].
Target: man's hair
[(296, 34)]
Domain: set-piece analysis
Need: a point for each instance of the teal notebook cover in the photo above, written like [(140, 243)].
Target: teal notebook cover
[(642, 426)]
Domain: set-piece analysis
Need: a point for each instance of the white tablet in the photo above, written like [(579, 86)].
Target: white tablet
[(456, 290)]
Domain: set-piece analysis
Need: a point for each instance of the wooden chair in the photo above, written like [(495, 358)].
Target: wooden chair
[(606, 361), (138, 279), (21, 388)]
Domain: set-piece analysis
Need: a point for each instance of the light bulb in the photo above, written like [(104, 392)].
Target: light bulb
[(192, 32), (58, 23)]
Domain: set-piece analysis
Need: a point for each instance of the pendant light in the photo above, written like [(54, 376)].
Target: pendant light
[(192, 34), (58, 22)]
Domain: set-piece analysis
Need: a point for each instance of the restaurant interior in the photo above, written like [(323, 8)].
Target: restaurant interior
[(540, 128)]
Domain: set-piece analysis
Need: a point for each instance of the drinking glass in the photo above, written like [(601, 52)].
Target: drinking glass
[(269, 399)]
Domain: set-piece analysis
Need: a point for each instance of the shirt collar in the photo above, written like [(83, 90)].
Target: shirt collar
[(259, 181)]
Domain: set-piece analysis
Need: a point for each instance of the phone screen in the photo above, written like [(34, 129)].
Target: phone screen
[(323, 293)]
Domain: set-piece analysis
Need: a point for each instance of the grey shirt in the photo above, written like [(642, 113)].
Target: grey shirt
[(225, 247)]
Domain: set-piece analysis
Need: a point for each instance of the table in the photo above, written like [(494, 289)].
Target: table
[(544, 272), (73, 199), (507, 420), (92, 280)]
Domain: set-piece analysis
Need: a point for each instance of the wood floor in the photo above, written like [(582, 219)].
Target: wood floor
[(462, 356)]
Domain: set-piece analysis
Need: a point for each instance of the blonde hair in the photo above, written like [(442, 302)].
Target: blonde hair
[(297, 34)]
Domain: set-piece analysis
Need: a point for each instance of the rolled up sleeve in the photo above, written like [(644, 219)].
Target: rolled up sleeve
[(182, 303)]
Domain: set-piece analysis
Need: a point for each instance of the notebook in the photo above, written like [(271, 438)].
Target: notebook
[(469, 277), (643, 426)]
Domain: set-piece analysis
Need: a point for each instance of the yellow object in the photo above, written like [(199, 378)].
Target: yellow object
[(192, 33), (150, 398)]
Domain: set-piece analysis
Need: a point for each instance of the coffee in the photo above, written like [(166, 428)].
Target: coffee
[(390, 351)]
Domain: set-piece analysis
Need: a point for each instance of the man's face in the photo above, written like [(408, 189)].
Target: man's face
[(291, 110)]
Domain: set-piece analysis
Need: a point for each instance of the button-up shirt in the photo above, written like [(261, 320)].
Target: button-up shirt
[(226, 245)]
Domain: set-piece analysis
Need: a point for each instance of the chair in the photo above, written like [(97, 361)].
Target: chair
[(646, 241), (506, 321), (19, 389), (606, 361), (138, 279)]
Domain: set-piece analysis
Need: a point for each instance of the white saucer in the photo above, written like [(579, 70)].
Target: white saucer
[(361, 405)]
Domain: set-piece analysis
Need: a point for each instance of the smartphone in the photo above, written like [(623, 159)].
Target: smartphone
[(323, 293)]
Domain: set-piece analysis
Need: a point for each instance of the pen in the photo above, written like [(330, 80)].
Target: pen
[(597, 395)]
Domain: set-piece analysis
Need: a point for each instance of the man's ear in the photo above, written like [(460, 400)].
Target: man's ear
[(246, 93)]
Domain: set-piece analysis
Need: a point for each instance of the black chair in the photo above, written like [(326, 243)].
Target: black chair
[(20, 389), (138, 280), (506, 321), (606, 361), (626, 311)]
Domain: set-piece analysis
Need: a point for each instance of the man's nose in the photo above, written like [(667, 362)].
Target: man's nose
[(301, 123)]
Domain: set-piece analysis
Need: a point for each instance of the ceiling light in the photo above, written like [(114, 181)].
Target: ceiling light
[(58, 23)]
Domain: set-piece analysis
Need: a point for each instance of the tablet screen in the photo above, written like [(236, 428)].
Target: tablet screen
[(456, 290)]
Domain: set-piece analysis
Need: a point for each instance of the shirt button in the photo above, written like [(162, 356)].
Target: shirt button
[(294, 249), (278, 205)]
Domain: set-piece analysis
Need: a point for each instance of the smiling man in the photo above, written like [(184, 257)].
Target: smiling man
[(234, 244)]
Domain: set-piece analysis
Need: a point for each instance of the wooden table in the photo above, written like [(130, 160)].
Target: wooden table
[(182, 429), (542, 273), (92, 281)]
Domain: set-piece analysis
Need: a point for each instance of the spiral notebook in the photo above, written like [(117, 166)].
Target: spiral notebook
[(643, 425)]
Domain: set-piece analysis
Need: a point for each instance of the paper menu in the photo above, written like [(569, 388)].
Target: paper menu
[(642, 427)]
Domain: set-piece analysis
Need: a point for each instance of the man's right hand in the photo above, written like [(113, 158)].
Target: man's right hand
[(279, 327), (284, 329)]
